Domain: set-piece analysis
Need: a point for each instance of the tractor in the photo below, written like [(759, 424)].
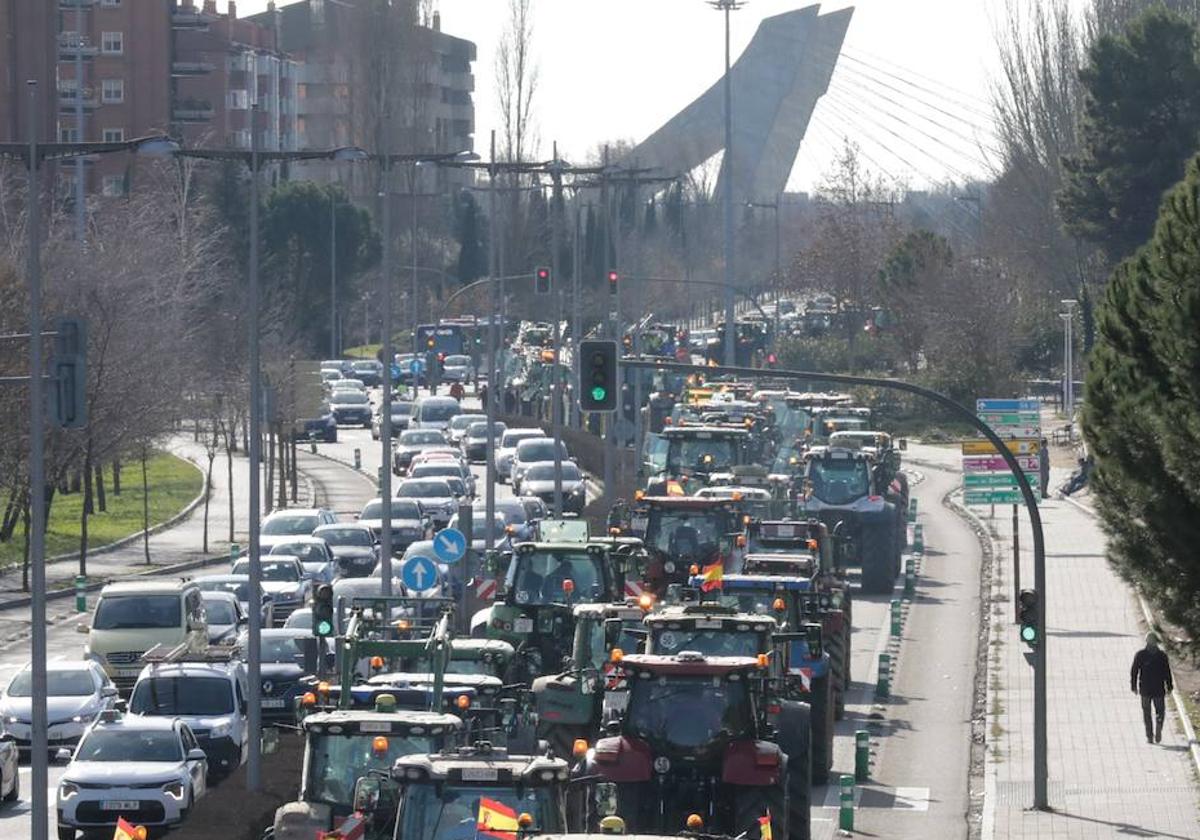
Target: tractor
[(680, 532)]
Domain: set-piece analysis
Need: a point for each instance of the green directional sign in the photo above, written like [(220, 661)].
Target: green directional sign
[(1014, 418), (993, 497), (998, 480)]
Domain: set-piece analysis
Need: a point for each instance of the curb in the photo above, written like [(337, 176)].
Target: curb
[(1176, 698)]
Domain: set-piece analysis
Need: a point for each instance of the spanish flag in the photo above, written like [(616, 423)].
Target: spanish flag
[(496, 820), (713, 575), (127, 831), (764, 827)]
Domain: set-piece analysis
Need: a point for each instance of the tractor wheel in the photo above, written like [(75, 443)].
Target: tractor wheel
[(635, 805), (795, 739), (878, 562), (752, 803), (821, 715)]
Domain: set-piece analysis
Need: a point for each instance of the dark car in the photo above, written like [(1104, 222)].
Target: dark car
[(539, 482), (323, 427), (351, 408), (355, 550), (368, 371), (282, 667), (413, 441), (474, 440)]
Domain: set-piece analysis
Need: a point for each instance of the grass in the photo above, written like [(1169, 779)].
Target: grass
[(173, 483), (363, 351)]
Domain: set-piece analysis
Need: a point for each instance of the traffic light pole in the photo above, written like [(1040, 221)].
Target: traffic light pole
[(556, 172), (1040, 773)]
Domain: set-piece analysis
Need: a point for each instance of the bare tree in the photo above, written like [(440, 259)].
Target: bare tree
[(517, 81)]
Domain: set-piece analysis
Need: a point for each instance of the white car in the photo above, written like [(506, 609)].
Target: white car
[(291, 522), (225, 616), (284, 579), (149, 770), (459, 425), (506, 449), (78, 690), (10, 779)]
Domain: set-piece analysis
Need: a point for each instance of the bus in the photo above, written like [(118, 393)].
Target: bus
[(444, 338)]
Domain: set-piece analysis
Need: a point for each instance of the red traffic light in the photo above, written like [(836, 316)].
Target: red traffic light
[(543, 273), (541, 281), (613, 279)]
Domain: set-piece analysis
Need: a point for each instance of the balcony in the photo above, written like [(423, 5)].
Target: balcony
[(191, 68), (75, 4), (67, 100), (192, 111), (69, 44), (189, 20)]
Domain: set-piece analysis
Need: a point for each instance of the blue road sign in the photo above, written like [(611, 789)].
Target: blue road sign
[(1007, 405), (419, 573), (395, 373), (416, 366), (449, 545)]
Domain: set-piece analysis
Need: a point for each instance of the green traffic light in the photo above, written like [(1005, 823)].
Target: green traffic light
[(1028, 633), (598, 393), (324, 628)]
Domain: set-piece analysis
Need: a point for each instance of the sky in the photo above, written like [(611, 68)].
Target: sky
[(912, 88)]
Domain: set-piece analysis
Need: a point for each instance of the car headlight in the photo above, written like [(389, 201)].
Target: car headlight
[(578, 491), (220, 730), (84, 717), (67, 789), (174, 790), (10, 719)]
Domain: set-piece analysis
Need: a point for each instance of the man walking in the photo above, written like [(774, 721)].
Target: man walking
[(1150, 677)]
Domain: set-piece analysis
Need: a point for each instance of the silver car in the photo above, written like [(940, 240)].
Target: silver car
[(77, 691)]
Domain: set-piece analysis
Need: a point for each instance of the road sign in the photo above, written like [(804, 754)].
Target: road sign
[(975, 481), (1007, 405), (994, 463), (1021, 446), (415, 366), (993, 497), (419, 573), (395, 373), (449, 545), (1011, 418), (1017, 432)]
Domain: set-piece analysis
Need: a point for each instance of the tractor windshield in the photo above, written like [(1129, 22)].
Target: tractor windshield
[(472, 812), (755, 601), (716, 712), (725, 642), (541, 577), (839, 481), (685, 535), (335, 763), (704, 454)]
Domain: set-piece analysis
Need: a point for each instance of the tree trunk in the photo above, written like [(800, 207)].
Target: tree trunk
[(269, 496), (12, 513), (76, 482), (145, 507), (101, 498), (26, 520), (292, 447), (116, 478), (86, 508), (283, 467), (212, 455), (229, 442)]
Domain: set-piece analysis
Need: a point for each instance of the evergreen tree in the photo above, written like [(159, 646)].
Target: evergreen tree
[(1141, 123), (469, 227)]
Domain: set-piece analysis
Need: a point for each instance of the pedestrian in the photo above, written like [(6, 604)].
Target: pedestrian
[(457, 391), (1044, 467), (1150, 677)]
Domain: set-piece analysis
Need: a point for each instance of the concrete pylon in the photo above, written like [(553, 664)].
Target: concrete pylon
[(776, 84)]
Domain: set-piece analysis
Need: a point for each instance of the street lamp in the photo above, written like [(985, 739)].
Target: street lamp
[(33, 154), (1068, 318), (728, 6), (774, 206)]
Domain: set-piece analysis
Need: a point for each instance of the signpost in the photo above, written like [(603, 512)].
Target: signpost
[(419, 574), (449, 545)]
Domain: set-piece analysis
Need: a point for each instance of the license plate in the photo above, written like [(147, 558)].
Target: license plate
[(374, 726), (479, 774), (523, 625), (119, 805), (273, 703), (128, 672), (707, 624)]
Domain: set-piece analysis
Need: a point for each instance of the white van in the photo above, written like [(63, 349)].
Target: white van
[(130, 618), (434, 413)]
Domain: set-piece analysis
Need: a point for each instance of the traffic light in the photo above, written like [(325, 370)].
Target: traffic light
[(1027, 616), (70, 373), (614, 280), (598, 375), (541, 281), (322, 611)]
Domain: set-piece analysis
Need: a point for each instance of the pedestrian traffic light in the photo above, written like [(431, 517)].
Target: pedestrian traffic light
[(69, 364), (541, 281), (598, 375), (1027, 616), (322, 611)]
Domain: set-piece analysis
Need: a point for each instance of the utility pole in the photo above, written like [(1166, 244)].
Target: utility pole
[(253, 666), (80, 170), (1068, 318), (728, 6), (389, 359), (576, 305), (493, 345), (556, 173), (333, 316)]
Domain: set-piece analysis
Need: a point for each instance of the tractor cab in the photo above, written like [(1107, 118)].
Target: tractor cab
[(680, 532)]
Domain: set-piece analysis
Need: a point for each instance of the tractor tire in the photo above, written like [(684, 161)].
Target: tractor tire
[(795, 738), (635, 805), (878, 557), (821, 718), (754, 802)]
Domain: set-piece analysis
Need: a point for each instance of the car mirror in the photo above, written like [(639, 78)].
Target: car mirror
[(366, 794), (82, 627), (63, 755), (121, 706), (109, 691), (196, 754)]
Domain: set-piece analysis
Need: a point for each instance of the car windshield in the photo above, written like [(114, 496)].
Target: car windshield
[(421, 436), (708, 642), (705, 454), (349, 536), (124, 745), (290, 525), (183, 695), (545, 472), (400, 510), (436, 468), (336, 762), (479, 430), (532, 451), (220, 612), (366, 367), (462, 812), (512, 438), (838, 481), (272, 570), (424, 490), (401, 409), (541, 575), (76, 683), (129, 612), (462, 421), (716, 712), (239, 588), (439, 411), (457, 486), (348, 397), (282, 649), (307, 552), (685, 534), (458, 361)]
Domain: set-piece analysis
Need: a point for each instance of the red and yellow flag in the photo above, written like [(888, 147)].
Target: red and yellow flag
[(764, 827), (713, 575), (496, 820), (127, 831)]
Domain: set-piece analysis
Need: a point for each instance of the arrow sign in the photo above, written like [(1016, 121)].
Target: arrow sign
[(419, 573), (449, 545), (415, 366), (395, 371), (1025, 446), (1007, 405)]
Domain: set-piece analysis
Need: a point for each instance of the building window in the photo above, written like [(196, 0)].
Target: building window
[(113, 90), (112, 4), (113, 185), (237, 100), (114, 135), (68, 134), (112, 43)]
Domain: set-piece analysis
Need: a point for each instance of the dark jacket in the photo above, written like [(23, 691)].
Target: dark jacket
[(1155, 671)]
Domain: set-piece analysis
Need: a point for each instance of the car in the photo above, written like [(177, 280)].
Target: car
[(458, 369), (459, 425), (225, 616), (516, 518), (209, 696), (239, 585), (10, 775), (369, 371), (444, 468), (351, 408), (322, 427), (435, 412), (282, 665), (439, 454), (501, 538), (77, 691), (282, 525), (401, 415), (474, 440), (315, 555), (410, 522), (345, 384), (507, 448), (300, 619), (531, 451), (539, 482), (283, 578), (328, 377), (438, 500), (413, 441), (353, 545), (149, 770), (343, 366)]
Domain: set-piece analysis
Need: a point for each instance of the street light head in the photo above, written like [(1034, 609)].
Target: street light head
[(157, 147), (350, 153), (467, 157)]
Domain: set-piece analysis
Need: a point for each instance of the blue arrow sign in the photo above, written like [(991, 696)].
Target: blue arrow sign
[(1007, 405), (419, 573), (449, 545), (395, 373), (416, 366)]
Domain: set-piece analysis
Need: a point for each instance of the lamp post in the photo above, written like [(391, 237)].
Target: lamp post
[(774, 206), (726, 7), (333, 316), (33, 154), (1068, 318)]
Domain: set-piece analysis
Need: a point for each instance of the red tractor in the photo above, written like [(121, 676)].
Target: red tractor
[(694, 739)]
